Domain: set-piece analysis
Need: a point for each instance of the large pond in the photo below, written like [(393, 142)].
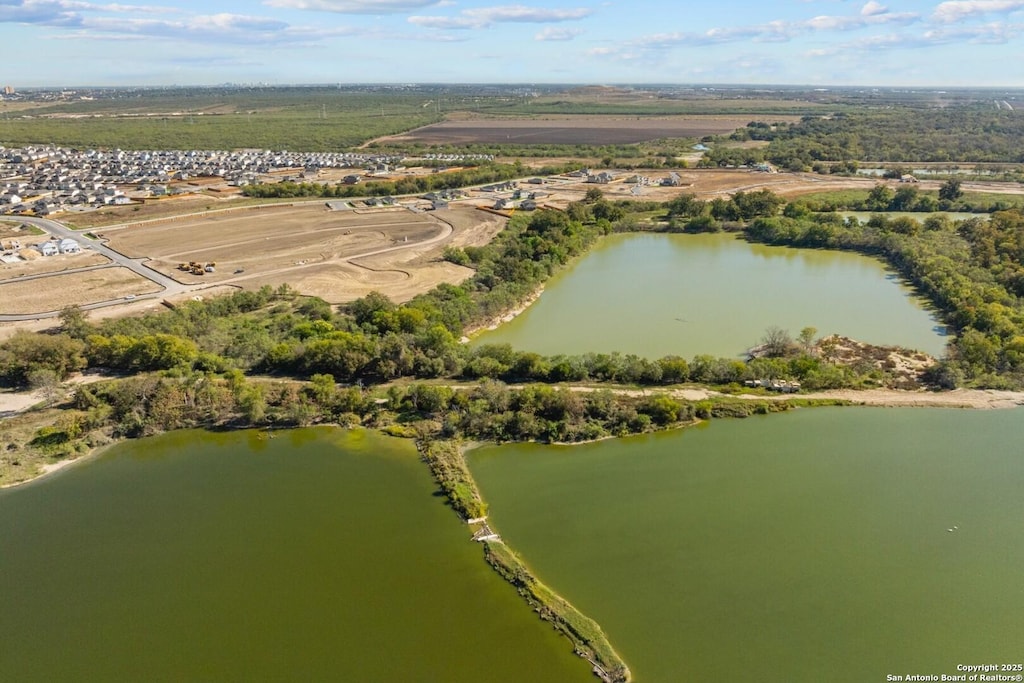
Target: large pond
[(656, 295), (318, 555), (786, 548)]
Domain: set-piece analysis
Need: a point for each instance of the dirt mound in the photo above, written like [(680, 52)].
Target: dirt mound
[(903, 366)]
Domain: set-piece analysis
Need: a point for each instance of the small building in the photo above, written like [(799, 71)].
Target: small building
[(351, 180), (48, 248), (69, 246), (908, 179)]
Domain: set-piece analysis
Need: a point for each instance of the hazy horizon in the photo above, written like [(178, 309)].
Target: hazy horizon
[(825, 43)]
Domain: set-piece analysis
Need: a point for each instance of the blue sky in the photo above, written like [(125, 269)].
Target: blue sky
[(819, 42)]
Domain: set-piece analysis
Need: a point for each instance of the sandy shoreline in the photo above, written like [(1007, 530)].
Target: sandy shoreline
[(53, 467), (979, 399), (493, 323)]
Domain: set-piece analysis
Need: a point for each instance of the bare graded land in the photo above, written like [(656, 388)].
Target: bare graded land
[(558, 191), (336, 255), (570, 130), (162, 208), (55, 292), (50, 264)]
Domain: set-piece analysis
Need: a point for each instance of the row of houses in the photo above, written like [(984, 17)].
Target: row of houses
[(47, 179), (22, 197), (54, 247)]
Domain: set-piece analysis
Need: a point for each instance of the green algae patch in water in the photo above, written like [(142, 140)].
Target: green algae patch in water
[(318, 554)]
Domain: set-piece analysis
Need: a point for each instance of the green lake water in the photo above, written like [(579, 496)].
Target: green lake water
[(318, 555), (804, 547), (656, 295)]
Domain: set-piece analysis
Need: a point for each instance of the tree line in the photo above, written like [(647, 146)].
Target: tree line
[(966, 133), (195, 362)]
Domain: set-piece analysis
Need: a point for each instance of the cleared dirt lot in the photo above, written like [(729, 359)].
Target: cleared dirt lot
[(337, 255), (55, 292), (559, 191), (571, 130), (50, 264), (705, 184)]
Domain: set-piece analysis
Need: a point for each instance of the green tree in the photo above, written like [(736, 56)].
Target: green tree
[(806, 338), (950, 190), (879, 198), (73, 323), (25, 352)]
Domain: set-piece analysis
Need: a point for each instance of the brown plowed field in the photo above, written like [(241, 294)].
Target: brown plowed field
[(571, 130)]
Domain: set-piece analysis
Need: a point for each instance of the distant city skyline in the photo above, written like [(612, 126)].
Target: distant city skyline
[(905, 43)]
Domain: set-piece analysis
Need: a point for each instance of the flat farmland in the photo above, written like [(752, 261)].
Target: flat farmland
[(57, 291), (337, 255), (571, 130)]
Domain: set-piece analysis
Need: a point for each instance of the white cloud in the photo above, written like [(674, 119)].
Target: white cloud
[(220, 28), (953, 11), (873, 8), (67, 13), (822, 52), (552, 33), (871, 14), (482, 17), (357, 6), (989, 34)]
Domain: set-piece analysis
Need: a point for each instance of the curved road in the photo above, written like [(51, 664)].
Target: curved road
[(60, 231), (170, 286)]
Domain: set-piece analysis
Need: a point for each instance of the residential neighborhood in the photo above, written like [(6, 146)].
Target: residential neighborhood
[(45, 180)]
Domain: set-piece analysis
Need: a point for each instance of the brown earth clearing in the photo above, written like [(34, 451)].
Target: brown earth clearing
[(558, 191), (337, 255), (170, 206), (49, 264), (569, 130), (57, 291), (710, 183)]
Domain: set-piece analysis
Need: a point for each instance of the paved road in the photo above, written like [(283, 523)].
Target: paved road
[(135, 265), (59, 231), (170, 286)]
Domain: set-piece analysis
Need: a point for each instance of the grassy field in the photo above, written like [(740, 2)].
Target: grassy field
[(846, 197)]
